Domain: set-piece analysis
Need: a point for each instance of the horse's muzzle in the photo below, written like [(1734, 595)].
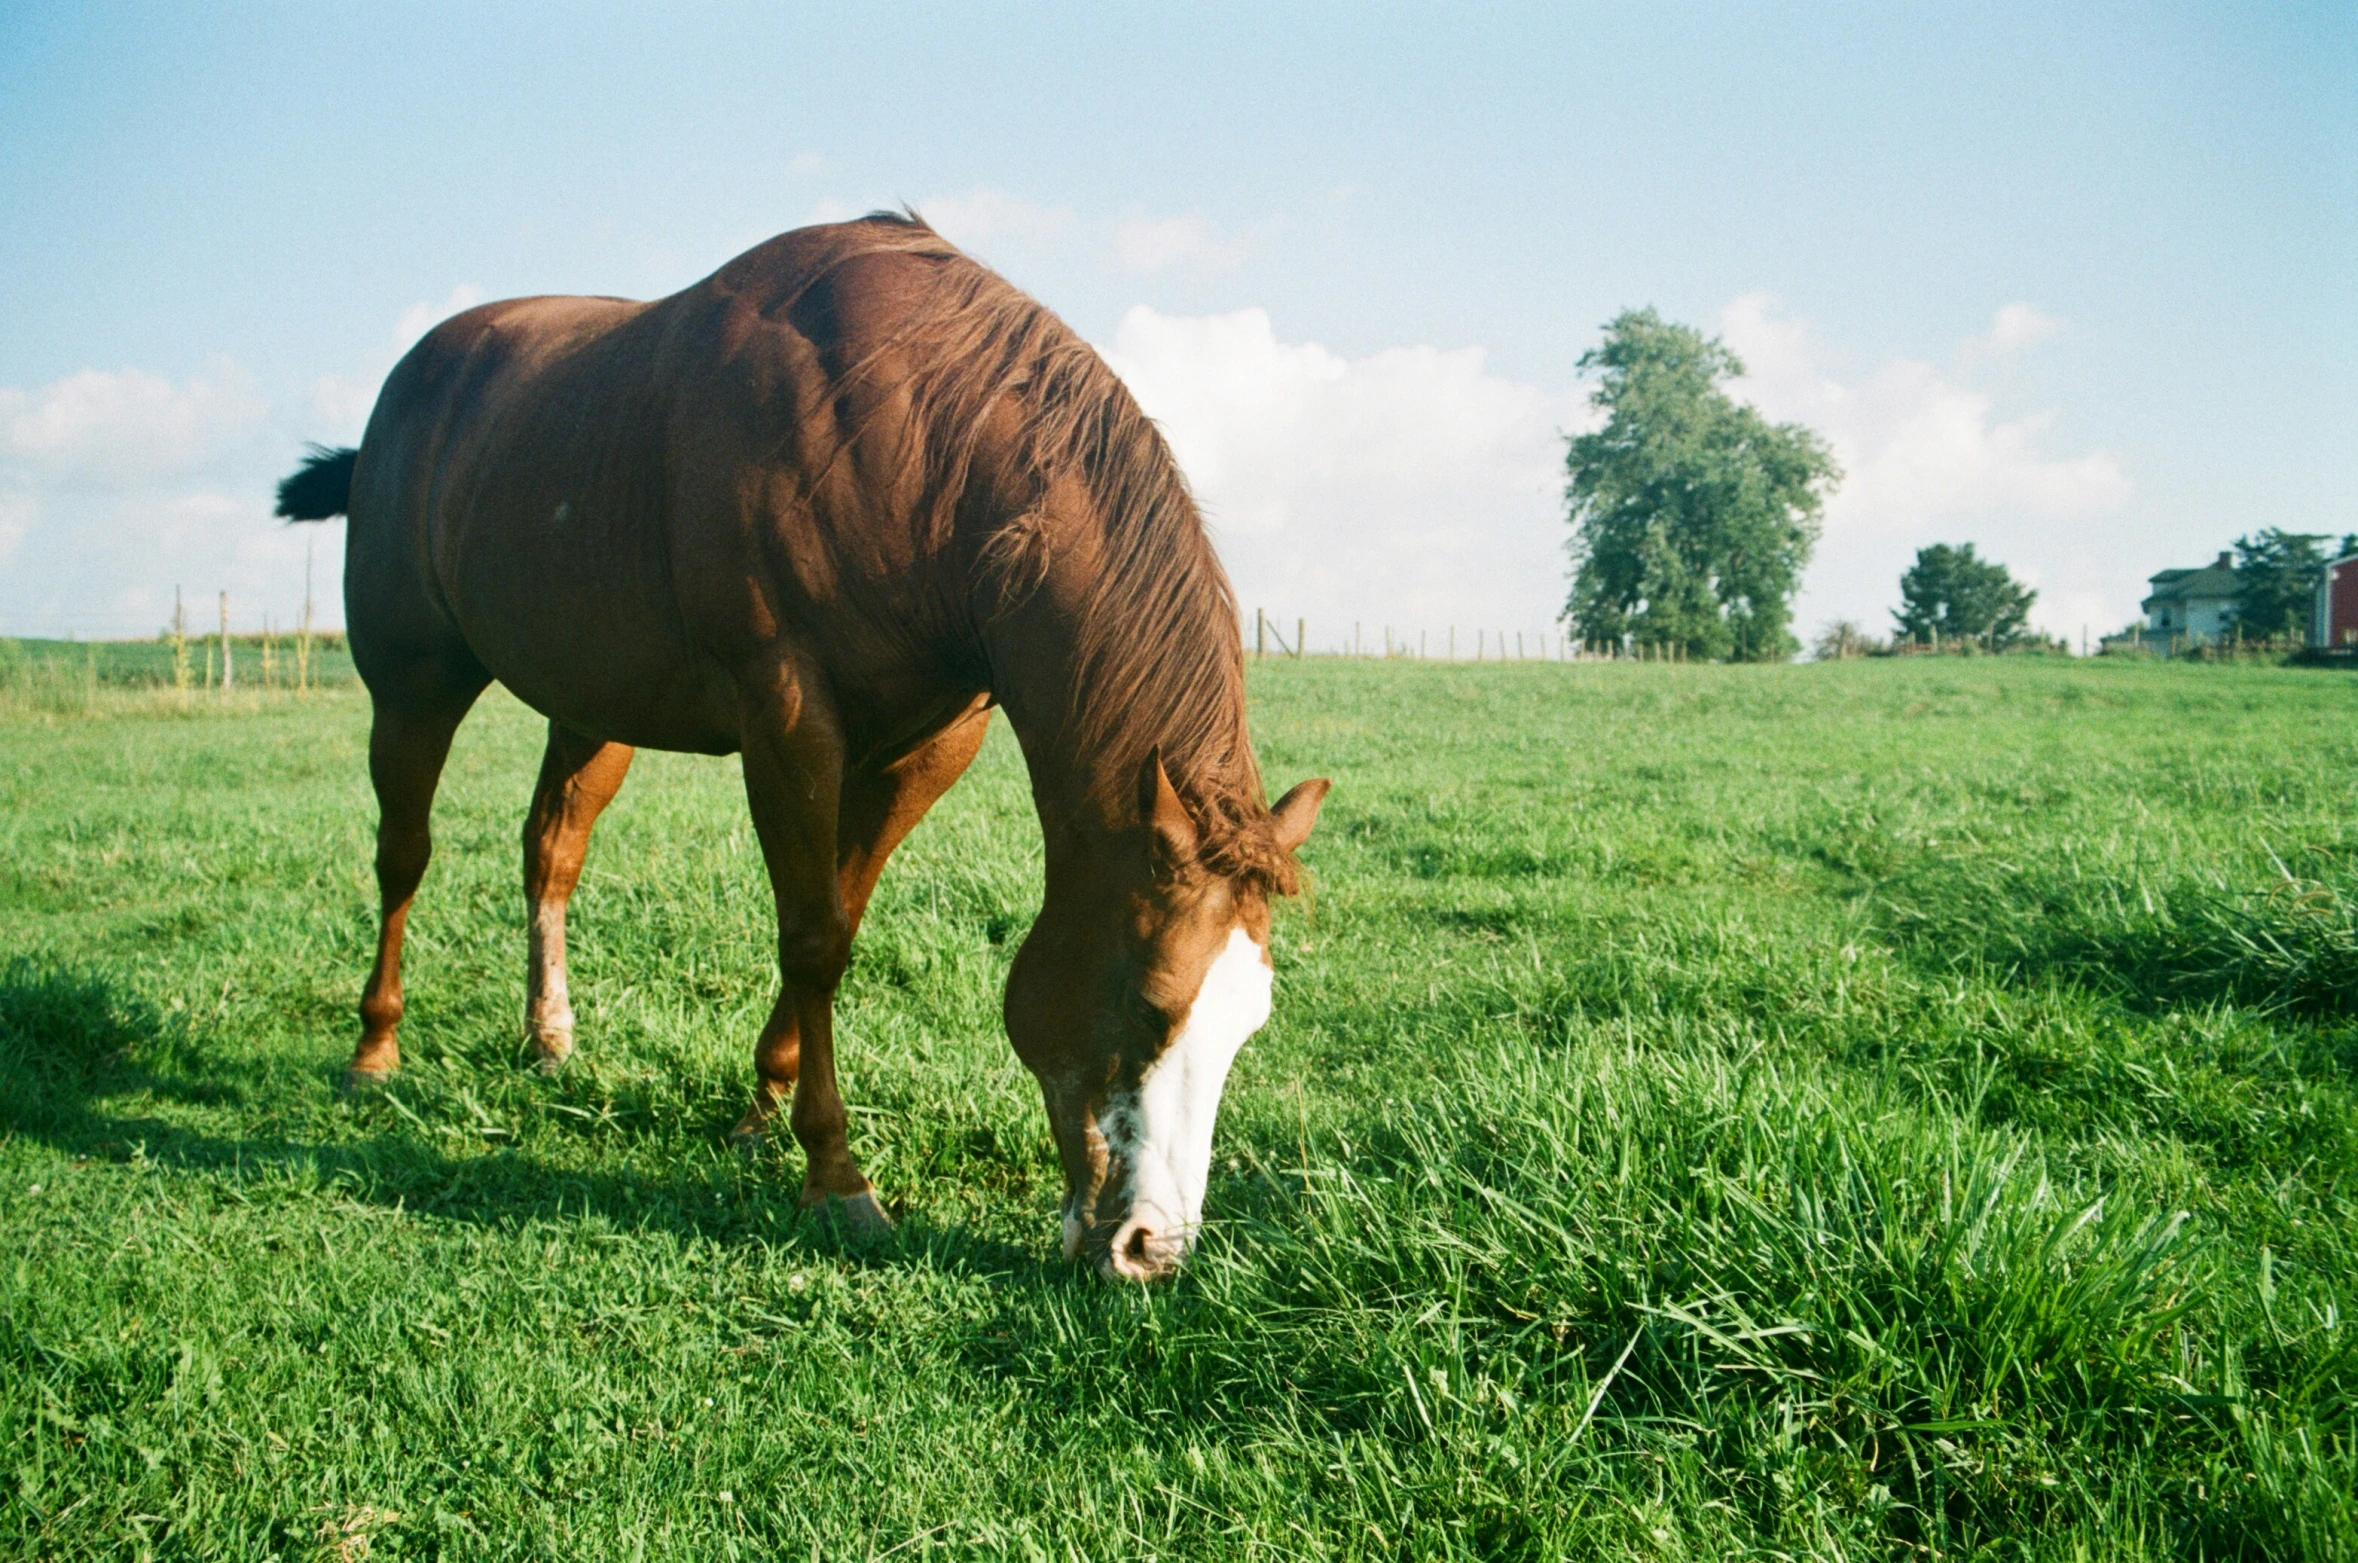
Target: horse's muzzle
[(1145, 1248), (1147, 1245)]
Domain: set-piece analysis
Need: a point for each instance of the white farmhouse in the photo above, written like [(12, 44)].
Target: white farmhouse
[(2191, 607)]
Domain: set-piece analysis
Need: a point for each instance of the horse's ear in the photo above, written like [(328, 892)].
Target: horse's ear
[(1165, 816), (1296, 812)]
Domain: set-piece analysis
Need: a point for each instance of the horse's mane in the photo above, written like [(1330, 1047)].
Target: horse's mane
[(1160, 663)]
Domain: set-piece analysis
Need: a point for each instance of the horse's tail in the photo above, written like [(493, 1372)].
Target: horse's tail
[(321, 487)]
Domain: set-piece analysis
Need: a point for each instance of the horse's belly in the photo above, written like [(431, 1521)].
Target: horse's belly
[(582, 628), (666, 714)]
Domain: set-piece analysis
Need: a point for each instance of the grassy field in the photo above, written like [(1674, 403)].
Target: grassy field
[(76, 677), (1878, 1109)]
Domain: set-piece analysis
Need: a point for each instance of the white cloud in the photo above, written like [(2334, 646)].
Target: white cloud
[(111, 481), (1412, 487), (125, 429), (117, 487), (1917, 442), (983, 217), (340, 403), (1150, 244), (2015, 326), (19, 514), (339, 406), (1927, 458), (804, 164)]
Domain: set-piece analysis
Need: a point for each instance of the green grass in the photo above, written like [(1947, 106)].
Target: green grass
[(1880, 1109)]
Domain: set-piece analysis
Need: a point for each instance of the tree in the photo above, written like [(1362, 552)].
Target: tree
[(1842, 639), (1692, 514), (1951, 594), (2276, 576)]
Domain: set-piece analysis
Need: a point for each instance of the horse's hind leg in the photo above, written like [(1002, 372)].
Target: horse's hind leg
[(578, 778), (881, 806), (408, 742)]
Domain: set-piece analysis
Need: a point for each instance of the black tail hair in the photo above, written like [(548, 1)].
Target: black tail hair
[(321, 487)]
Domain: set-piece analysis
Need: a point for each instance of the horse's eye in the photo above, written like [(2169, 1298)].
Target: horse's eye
[(1143, 1011)]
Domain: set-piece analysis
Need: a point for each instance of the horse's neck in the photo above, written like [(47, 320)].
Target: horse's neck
[(1076, 783), (1086, 762), (1099, 658)]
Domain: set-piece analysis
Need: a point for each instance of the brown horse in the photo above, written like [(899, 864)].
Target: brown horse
[(824, 509)]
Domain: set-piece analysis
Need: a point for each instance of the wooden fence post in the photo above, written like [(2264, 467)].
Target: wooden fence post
[(1301, 638), (303, 648), (179, 643), (227, 674)]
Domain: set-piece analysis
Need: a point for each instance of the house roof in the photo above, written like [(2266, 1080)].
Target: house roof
[(2208, 583)]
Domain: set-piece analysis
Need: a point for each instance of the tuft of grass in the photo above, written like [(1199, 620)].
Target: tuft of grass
[(2164, 933), (1887, 1109)]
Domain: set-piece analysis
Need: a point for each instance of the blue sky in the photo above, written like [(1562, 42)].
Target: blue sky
[(2072, 282)]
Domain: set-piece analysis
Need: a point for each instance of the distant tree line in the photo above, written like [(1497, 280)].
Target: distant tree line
[(1952, 594), (1693, 517), (2276, 578)]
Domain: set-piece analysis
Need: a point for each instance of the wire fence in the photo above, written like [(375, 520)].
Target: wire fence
[(187, 659), (1271, 636)]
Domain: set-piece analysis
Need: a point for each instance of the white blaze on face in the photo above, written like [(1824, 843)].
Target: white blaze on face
[(1164, 1130)]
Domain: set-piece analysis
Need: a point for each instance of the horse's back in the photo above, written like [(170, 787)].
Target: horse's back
[(618, 508)]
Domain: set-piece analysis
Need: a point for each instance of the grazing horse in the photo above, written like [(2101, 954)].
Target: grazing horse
[(824, 509)]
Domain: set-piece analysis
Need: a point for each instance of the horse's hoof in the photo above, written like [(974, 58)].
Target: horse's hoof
[(752, 1134), (361, 1082), (859, 1214), (551, 1050)]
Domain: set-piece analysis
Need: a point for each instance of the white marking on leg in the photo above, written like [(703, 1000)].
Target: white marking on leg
[(1164, 1128)]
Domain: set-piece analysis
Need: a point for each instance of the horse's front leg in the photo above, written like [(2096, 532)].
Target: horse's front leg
[(793, 781)]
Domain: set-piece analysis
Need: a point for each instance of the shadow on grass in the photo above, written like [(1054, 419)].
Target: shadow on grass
[(71, 1042)]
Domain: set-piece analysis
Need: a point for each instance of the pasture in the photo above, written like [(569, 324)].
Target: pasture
[(1877, 1109)]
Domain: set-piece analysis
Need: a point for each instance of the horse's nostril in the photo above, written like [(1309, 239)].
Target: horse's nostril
[(1138, 1253)]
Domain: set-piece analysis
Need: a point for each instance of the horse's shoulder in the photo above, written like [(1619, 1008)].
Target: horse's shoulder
[(831, 259)]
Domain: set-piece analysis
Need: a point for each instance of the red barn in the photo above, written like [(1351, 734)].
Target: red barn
[(2335, 622)]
